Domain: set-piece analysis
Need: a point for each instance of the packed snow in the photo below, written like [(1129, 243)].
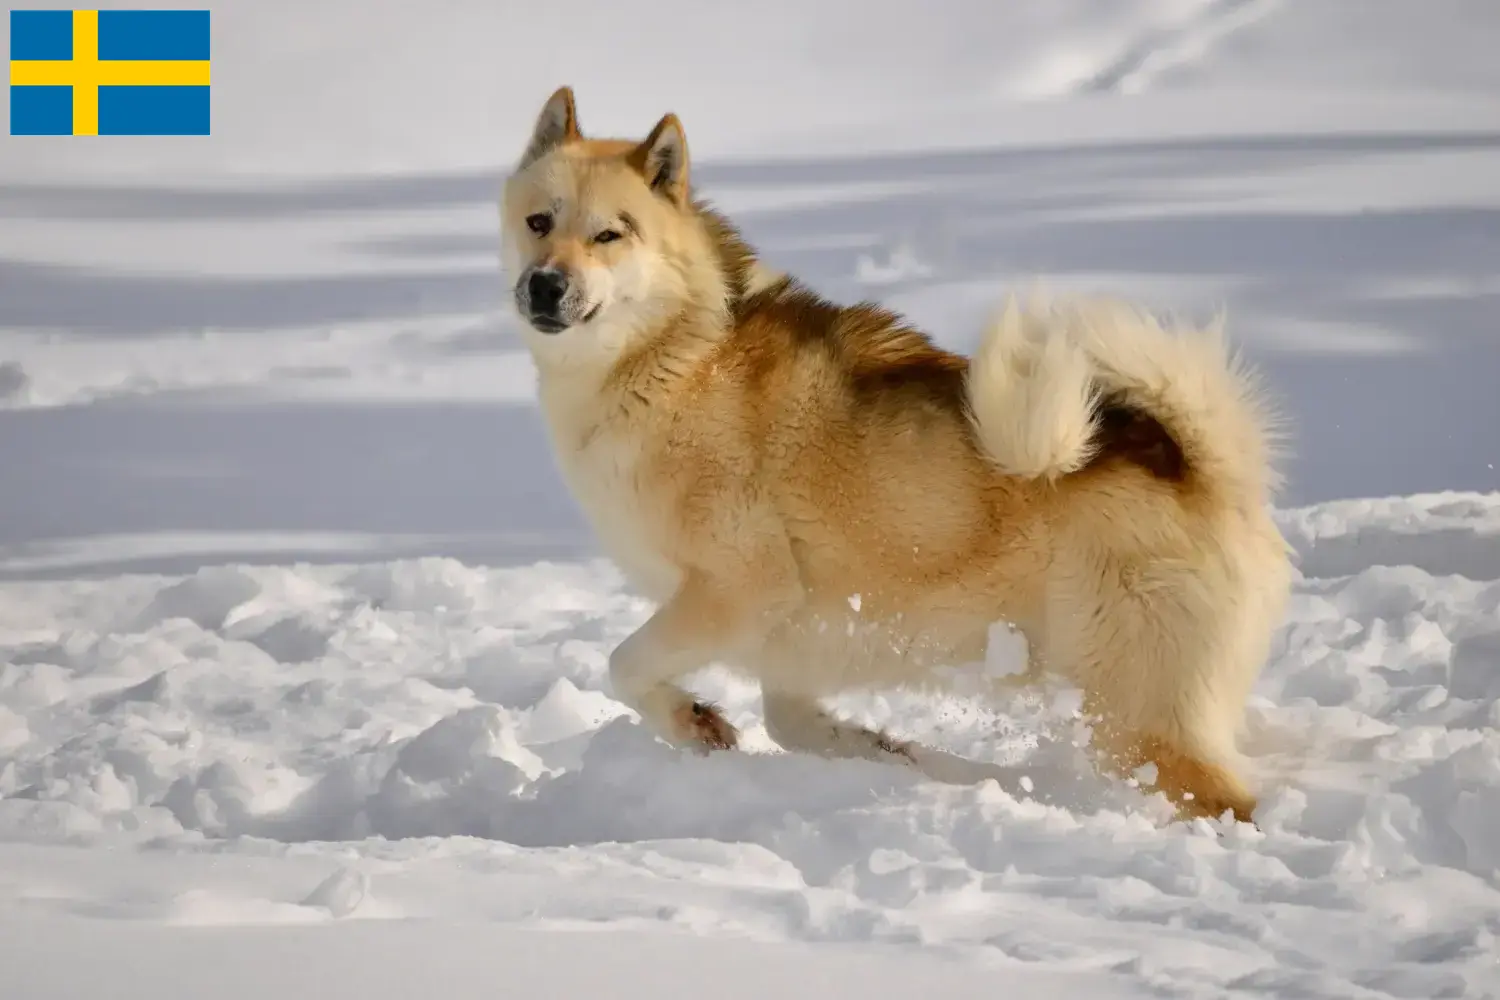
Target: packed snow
[(303, 643)]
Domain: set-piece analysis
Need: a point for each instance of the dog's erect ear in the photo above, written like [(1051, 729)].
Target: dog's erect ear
[(663, 159), (557, 124)]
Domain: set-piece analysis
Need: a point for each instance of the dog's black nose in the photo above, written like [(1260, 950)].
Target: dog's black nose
[(546, 289)]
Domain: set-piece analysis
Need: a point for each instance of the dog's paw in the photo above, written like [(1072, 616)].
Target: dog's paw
[(1240, 807), (703, 727)]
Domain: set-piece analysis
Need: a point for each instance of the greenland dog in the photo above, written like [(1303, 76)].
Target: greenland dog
[(818, 497)]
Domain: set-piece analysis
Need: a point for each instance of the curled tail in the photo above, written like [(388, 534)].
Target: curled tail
[(1053, 390), (1032, 397)]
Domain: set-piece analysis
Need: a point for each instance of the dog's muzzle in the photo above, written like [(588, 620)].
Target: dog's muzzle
[(541, 297)]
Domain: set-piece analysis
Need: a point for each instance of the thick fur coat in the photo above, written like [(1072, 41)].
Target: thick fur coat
[(820, 498)]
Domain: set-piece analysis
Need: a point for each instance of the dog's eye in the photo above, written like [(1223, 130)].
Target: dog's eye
[(540, 223), (608, 236)]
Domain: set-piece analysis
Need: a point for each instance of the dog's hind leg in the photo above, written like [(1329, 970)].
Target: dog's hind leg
[(1197, 784), (1159, 698), (1166, 651), (800, 724)]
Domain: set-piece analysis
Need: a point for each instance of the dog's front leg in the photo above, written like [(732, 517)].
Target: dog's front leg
[(702, 621), (801, 724)]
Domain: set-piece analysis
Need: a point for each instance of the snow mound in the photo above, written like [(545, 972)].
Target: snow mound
[(1442, 533)]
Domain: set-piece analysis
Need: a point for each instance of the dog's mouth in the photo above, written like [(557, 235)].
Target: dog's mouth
[(554, 325), (548, 324)]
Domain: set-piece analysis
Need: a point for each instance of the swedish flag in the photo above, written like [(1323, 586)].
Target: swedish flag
[(111, 72)]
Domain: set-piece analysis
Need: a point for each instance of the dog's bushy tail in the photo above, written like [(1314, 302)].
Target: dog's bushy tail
[(1041, 374), (1032, 397)]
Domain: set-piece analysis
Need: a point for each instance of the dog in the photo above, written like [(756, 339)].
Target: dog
[(819, 498)]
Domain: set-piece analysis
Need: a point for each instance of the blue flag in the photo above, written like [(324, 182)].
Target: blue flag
[(110, 72)]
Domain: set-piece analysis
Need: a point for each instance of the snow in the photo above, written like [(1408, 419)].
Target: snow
[(425, 741), (302, 643)]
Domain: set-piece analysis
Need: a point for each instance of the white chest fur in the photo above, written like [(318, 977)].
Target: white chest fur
[(601, 461)]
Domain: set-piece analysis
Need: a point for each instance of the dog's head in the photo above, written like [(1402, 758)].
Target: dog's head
[(598, 235)]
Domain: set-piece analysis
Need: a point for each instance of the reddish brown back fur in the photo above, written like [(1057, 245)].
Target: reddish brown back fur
[(868, 344)]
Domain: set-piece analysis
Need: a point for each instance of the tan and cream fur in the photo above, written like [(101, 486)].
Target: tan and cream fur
[(818, 497)]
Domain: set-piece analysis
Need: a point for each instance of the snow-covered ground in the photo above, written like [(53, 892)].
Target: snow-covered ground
[(302, 643)]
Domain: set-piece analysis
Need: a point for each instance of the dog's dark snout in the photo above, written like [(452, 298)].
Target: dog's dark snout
[(546, 289)]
